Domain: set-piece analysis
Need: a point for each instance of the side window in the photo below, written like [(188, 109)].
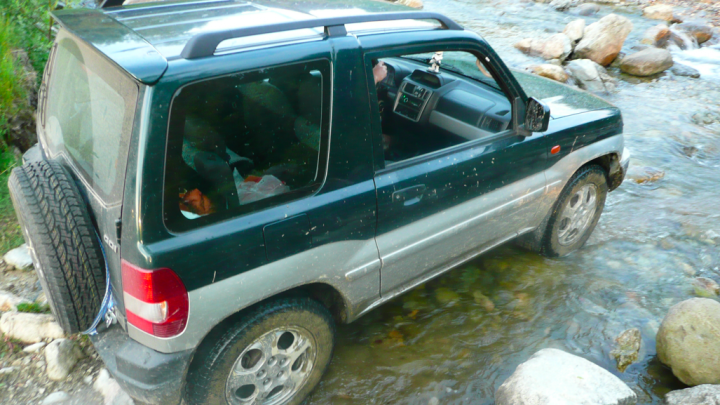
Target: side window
[(432, 101), (246, 142)]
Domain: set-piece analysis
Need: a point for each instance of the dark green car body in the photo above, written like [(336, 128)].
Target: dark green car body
[(354, 240)]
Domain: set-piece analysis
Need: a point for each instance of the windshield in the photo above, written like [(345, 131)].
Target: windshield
[(462, 63), (89, 116)]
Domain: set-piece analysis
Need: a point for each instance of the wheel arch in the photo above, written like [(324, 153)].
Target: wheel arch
[(611, 164)]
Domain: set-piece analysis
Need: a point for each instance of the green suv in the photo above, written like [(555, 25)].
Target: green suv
[(218, 183)]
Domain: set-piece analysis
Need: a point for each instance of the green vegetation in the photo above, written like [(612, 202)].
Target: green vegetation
[(33, 307), (24, 25)]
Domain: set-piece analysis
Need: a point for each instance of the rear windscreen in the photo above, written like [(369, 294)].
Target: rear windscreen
[(88, 116)]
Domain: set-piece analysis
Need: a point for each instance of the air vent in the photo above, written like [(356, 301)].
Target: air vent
[(491, 125)]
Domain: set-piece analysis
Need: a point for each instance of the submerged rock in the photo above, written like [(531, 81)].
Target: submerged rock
[(644, 174), (659, 12), (701, 32), (657, 35), (679, 69), (553, 376), (590, 76), (627, 348), (446, 296), (705, 287), (482, 300), (689, 341), (701, 395), (647, 62), (575, 30), (587, 9), (550, 71), (603, 40)]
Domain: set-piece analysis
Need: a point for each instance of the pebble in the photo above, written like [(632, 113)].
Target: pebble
[(705, 287), (61, 356), (6, 370), (18, 258), (57, 397)]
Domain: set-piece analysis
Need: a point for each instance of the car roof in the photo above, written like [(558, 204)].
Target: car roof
[(142, 38)]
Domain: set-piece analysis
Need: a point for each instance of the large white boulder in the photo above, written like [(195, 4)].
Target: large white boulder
[(30, 328), (61, 355), (700, 395), (554, 377), (10, 301), (603, 40), (575, 29), (688, 341)]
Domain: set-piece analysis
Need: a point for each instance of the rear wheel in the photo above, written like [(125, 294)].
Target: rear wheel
[(576, 212), (275, 355)]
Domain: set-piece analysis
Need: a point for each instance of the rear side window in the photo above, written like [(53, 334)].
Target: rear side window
[(89, 115), (246, 142)]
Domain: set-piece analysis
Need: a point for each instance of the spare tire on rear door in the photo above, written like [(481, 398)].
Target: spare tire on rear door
[(63, 243)]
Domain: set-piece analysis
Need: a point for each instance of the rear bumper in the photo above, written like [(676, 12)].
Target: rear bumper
[(145, 374)]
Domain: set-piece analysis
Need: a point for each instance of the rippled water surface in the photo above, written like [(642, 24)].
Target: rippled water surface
[(457, 338)]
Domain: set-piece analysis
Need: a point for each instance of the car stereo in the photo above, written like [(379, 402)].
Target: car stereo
[(411, 100)]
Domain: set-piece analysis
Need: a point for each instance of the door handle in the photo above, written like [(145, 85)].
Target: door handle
[(409, 196)]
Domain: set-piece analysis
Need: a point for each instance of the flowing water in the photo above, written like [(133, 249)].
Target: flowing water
[(457, 338)]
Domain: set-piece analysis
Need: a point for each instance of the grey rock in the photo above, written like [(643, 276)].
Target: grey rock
[(18, 258), (603, 40), (587, 9), (659, 12), (57, 397), (590, 76), (10, 301), (553, 376), (558, 46), (647, 62), (657, 35), (679, 69), (701, 395), (689, 341), (61, 356), (561, 5), (705, 118)]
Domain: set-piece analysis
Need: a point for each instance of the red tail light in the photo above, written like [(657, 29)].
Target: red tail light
[(156, 301)]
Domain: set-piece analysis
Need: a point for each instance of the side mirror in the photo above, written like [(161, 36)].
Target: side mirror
[(537, 116)]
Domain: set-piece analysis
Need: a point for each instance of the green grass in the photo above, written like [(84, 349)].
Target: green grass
[(33, 307), (10, 234)]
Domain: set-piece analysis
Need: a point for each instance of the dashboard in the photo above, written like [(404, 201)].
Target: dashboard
[(447, 101)]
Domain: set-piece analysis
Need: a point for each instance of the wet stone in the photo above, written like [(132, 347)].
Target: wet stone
[(446, 297), (706, 288), (627, 348), (483, 301), (679, 69), (705, 394)]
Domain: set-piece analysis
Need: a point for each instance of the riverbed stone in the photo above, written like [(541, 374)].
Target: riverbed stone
[(550, 71), (575, 29), (30, 328), (705, 287), (659, 12), (61, 355), (18, 258), (587, 9), (558, 46), (705, 394), (657, 35), (644, 174), (701, 32), (10, 301), (530, 46), (562, 5), (552, 376), (679, 69), (446, 296), (57, 397), (34, 348), (603, 40), (627, 347), (647, 62), (590, 76), (482, 300), (689, 341)]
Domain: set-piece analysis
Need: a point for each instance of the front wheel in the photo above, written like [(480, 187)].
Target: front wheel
[(275, 356), (576, 212)]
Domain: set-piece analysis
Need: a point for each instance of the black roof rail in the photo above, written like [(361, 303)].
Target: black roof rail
[(205, 43)]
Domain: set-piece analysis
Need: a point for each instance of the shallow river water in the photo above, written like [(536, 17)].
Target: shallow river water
[(458, 337)]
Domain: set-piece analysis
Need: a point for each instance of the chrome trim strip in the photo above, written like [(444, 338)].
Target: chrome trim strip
[(357, 273)]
